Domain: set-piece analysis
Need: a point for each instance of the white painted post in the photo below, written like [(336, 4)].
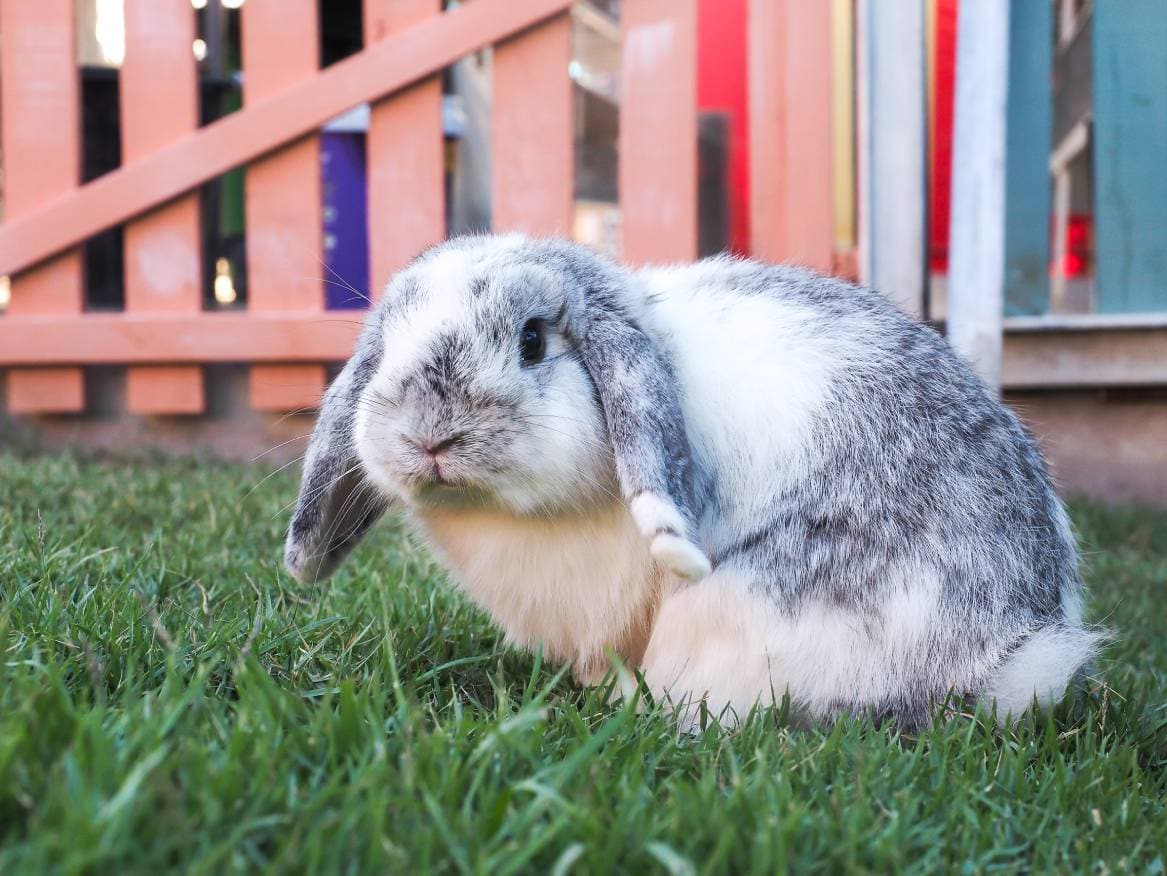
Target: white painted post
[(893, 139), (976, 272)]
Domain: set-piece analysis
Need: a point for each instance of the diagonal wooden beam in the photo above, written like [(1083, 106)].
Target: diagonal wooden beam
[(397, 61)]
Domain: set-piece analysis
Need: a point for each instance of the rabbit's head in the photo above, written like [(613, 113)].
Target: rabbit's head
[(480, 394), (501, 372)]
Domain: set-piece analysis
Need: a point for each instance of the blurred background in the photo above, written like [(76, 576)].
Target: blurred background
[(199, 197)]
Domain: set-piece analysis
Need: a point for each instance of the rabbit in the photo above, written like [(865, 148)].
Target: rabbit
[(745, 480)]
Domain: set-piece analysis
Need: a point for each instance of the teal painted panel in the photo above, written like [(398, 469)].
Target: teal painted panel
[(1027, 145), (1130, 154)]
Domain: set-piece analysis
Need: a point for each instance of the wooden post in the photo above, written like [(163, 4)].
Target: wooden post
[(792, 185), (893, 149), (531, 167), (658, 130), (403, 154), (283, 196), (976, 277), (42, 158), (159, 104)]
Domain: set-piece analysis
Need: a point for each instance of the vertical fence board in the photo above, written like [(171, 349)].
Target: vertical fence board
[(283, 196), (1130, 154), (892, 149), (1027, 153), (159, 94), (790, 132), (42, 156), (843, 134), (407, 210), (976, 277), (658, 130), (531, 132)]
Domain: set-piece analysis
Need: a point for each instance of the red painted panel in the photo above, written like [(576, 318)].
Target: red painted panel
[(943, 108), (722, 87)]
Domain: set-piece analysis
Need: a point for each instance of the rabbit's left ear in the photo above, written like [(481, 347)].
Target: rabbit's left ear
[(336, 506), (646, 429)]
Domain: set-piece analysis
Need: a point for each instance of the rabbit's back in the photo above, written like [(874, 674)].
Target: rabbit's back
[(848, 459)]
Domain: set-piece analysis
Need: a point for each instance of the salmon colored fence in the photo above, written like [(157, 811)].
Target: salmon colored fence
[(164, 336)]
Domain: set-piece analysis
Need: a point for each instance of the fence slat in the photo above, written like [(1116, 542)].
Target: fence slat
[(893, 141), (159, 94), (532, 171), (658, 130), (792, 195), (42, 157), (407, 209), (1029, 120), (976, 274), (283, 196)]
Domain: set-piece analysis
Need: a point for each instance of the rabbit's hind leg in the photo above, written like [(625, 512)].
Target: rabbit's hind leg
[(709, 645)]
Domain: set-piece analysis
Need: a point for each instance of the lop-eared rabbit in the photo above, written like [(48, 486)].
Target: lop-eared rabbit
[(747, 480)]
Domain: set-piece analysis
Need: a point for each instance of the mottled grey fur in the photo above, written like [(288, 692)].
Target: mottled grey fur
[(913, 462)]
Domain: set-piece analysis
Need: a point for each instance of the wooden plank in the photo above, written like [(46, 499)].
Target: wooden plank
[(791, 104), (42, 158), (658, 130), (531, 132), (300, 108), (177, 338), (284, 220), (843, 129), (1027, 151), (159, 96), (1036, 355), (1130, 155), (976, 277), (892, 149), (404, 154), (1099, 357)]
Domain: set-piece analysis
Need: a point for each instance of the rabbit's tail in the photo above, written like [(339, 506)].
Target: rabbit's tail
[(1041, 668)]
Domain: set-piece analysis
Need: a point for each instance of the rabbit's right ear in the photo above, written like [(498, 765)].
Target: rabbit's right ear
[(642, 409), (337, 505)]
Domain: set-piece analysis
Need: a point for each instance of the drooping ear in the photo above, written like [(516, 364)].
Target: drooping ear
[(646, 428), (337, 505)]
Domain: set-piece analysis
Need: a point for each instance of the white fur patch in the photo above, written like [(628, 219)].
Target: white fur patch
[(654, 514), (680, 556), (1040, 669), (719, 642), (753, 372)]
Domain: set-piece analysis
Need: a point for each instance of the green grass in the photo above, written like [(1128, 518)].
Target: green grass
[(169, 698)]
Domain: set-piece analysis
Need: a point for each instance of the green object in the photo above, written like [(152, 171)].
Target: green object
[(172, 701), (1130, 154), (1027, 175)]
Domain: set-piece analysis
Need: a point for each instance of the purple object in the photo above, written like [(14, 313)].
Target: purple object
[(346, 220)]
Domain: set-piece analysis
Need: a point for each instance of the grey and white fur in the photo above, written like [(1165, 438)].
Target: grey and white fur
[(744, 479)]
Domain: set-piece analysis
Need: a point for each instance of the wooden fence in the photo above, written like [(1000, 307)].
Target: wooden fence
[(820, 116), (164, 335)]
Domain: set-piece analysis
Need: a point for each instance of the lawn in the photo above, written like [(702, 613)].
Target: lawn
[(171, 699)]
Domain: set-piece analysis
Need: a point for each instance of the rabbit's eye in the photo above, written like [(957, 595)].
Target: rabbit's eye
[(532, 342)]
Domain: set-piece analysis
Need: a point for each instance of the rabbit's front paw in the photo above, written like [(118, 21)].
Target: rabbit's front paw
[(659, 520)]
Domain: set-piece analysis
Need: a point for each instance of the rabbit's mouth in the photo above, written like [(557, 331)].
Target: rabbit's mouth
[(445, 493)]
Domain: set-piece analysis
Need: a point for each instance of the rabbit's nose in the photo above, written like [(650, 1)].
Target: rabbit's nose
[(433, 446)]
